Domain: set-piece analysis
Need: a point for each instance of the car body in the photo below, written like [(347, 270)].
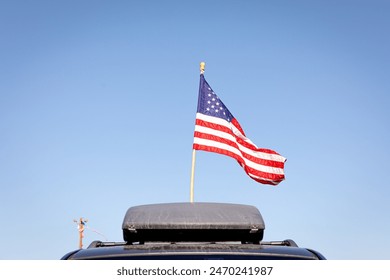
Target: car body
[(193, 231)]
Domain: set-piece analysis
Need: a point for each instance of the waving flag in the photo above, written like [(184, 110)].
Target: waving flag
[(216, 130)]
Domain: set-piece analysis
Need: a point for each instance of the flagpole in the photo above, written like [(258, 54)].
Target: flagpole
[(202, 65), (192, 177)]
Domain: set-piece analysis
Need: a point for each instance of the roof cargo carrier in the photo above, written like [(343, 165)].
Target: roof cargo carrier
[(193, 222)]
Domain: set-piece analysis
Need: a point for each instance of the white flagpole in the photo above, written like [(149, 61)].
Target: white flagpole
[(202, 65), (192, 177)]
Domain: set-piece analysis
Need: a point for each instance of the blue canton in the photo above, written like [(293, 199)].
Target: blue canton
[(210, 104)]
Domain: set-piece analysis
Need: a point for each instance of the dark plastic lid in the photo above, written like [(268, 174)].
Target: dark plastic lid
[(193, 222)]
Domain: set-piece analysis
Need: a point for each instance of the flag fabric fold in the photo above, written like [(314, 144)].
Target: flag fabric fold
[(216, 130)]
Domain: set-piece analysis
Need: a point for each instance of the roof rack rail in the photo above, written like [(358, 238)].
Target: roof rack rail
[(286, 242), (98, 243)]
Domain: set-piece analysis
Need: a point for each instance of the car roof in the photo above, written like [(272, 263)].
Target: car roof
[(194, 251)]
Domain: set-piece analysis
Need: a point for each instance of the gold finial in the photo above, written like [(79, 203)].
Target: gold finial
[(202, 65)]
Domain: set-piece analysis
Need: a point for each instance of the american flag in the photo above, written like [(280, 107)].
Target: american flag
[(216, 130)]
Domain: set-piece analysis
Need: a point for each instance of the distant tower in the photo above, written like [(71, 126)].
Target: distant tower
[(81, 227)]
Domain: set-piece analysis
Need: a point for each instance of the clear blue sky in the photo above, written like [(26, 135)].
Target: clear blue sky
[(98, 103)]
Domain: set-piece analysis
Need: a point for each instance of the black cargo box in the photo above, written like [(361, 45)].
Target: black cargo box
[(188, 222)]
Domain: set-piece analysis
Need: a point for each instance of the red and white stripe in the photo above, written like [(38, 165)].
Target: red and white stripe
[(217, 135)]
